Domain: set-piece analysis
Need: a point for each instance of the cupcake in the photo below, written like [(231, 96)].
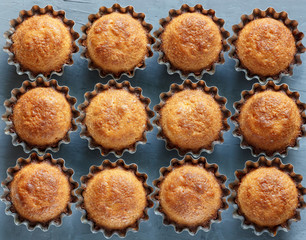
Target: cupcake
[(266, 45), (191, 117), (116, 41), (39, 191), (191, 194), (40, 115), (114, 198), (267, 196), (269, 119), (191, 41), (115, 118), (41, 42)]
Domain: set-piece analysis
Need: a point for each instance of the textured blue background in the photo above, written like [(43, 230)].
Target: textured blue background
[(153, 80)]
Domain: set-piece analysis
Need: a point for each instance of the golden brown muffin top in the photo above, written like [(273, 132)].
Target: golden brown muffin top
[(192, 42), (267, 196), (42, 44), (42, 116), (270, 121), (114, 198), (116, 119), (40, 192), (265, 46), (190, 195), (191, 119), (117, 42)]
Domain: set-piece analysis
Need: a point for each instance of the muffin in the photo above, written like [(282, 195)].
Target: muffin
[(116, 41), (268, 195), (269, 119), (41, 42), (191, 117), (191, 41), (115, 118), (39, 191), (266, 45), (114, 198), (40, 115), (191, 194)]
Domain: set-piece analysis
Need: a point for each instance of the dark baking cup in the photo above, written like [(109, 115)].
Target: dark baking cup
[(188, 160), (271, 13), (104, 11), (109, 165), (112, 84), (158, 46), (12, 171), (263, 162), (245, 95), (9, 104), (24, 15), (188, 84)]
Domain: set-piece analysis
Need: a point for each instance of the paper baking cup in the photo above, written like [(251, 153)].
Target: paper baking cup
[(281, 16), (188, 160), (263, 162), (24, 15), (109, 165), (104, 11), (9, 104), (10, 209), (245, 95), (158, 46), (188, 84), (112, 84)]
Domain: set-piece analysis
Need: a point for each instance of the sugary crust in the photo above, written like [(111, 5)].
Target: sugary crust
[(40, 192), (42, 43), (190, 195), (267, 196), (266, 46), (116, 118), (191, 119), (270, 121), (42, 116), (114, 198), (192, 41), (117, 42)]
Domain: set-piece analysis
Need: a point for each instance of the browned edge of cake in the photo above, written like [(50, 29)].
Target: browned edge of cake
[(24, 15), (245, 95), (112, 84), (107, 164), (280, 16), (188, 84), (188, 160), (104, 11), (12, 171), (9, 104), (162, 59), (264, 162)]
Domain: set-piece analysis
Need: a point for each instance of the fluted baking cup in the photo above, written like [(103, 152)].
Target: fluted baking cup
[(11, 172), (8, 115), (109, 165), (280, 16), (24, 15), (158, 46), (263, 162)]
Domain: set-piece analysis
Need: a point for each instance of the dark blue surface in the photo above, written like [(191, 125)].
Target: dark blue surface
[(153, 80)]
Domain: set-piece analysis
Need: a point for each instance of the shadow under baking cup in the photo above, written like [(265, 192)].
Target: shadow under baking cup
[(9, 104), (24, 15), (290, 24), (94, 227), (264, 162), (158, 46), (6, 198)]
